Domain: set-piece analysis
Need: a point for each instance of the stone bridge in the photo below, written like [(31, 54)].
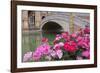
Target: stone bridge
[(64, 21)]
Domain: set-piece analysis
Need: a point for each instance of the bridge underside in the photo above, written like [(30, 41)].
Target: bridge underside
[(52, 27)]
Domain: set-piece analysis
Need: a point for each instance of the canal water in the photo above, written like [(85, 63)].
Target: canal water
[(31, 40)]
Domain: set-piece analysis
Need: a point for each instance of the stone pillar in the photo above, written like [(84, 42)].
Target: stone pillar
[(37, 19), (71, 23), (25, 20), (33, 14)]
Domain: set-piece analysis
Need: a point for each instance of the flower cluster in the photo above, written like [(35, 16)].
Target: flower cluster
[(65, 46)]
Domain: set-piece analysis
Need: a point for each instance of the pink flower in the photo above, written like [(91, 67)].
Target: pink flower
[(70, 46), (65, 34), (79, 38), (46, 48), (44, 39), (56, 53), (53, 53), (79, 58), (59, 53), (87, 30), (86, 54), (56, 46), (37, 55), (57, 38), (74, 35), (27, 56), (73, 43), (81, 32), (61, 44), (39, 49), (54, 42), (84, 43), (43, 49)]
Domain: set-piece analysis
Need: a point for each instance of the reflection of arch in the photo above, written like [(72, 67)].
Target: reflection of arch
[(52, 27)]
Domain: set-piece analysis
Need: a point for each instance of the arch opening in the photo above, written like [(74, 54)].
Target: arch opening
[(52, 27)]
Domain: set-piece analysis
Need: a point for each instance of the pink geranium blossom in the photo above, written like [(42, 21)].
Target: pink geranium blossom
[(56, 53), (84, 42), (44, 40), (46, 48), (56, 46), (43, 49), (65, 34), (70, 46), (27, 56), (58, 37), (86, 54), (53, 53), (74, 35), (37, 55), (79, 58), (87, 30), (79, 38), (59, 53), (81, 32), (75, 45), (61, 44)]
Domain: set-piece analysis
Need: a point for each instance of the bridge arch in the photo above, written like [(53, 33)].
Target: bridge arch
[(55, 21), (62, 21)]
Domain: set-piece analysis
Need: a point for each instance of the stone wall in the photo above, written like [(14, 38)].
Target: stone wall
[(66, 20)]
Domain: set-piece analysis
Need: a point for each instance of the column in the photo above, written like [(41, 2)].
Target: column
[(33, 14), (24, 20), (71, 24), (37, 19)]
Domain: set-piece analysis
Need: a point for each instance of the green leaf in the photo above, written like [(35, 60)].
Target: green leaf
[(62, 40), (78, 52)]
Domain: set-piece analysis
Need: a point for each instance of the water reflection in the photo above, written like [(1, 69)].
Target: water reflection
[(31, 40)]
